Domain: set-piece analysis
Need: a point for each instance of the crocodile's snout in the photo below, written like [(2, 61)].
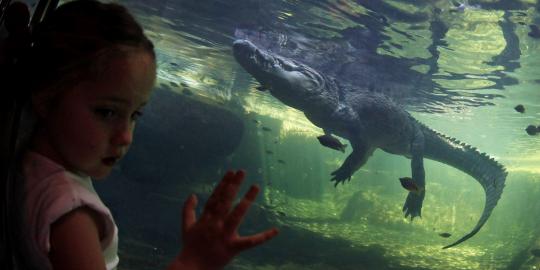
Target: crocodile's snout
[(247, 53), (243, 47)]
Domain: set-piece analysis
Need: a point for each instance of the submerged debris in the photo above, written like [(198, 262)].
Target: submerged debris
[(520, 108), (531, 130), (445, 234)]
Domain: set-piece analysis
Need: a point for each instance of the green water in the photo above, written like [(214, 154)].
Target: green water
[(366, 212), (485, 64)]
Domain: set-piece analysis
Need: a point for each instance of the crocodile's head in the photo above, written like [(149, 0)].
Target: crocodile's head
[(291, 82)]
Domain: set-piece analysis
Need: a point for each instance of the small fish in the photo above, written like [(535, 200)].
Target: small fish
[(396, 45), (187, 92), (164, 86), (535, 252), (262, 88), (538, 128), (256, 121), (459, 8), (281, 213), (269, 152), (522, 23), (183, 84), (535, 31), (531, 130), (520, 108), (276, 141), (173, 84), (266, 129), (445, 234), (331, 142), (281, 161), (173, 64), (408, 184)]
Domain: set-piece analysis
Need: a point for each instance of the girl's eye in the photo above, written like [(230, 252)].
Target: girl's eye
[(136, 115), (105, 113)]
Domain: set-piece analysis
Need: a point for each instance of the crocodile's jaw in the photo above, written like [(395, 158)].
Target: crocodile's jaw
[(291, 82)]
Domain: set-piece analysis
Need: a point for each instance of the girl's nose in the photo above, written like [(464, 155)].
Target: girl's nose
[(123, 136)]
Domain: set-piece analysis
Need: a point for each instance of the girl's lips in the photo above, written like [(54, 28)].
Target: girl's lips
[(110, 161)]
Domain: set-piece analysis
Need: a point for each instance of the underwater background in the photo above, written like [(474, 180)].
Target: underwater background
[(459, 68)]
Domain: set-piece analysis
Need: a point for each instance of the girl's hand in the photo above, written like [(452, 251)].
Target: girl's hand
[(212, 241)]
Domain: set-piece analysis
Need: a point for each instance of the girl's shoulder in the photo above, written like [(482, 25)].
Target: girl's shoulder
[(48, 182), (52, 192)]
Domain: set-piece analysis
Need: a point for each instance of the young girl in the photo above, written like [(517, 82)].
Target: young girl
[(91, 70)]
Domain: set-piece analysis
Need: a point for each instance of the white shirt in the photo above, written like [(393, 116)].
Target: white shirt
[(51, 192)]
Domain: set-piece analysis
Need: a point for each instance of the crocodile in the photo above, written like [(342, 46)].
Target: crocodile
[(370, 121)]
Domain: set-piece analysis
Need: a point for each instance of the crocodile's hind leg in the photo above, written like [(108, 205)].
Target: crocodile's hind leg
[(413, 203), (360, 154)]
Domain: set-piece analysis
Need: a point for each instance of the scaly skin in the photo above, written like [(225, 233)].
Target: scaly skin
[(369, 121)]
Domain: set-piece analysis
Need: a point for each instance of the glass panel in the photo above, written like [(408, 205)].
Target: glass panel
[(458, 68)]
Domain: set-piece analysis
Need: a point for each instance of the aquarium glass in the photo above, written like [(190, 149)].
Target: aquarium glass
[(459, 68)]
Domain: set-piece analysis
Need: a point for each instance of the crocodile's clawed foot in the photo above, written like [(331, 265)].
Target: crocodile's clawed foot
[(413, 205), (339, 176)]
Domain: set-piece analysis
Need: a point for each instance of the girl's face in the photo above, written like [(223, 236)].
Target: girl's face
[(91, 126)]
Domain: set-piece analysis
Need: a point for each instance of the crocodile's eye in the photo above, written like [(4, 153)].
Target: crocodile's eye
[(286, 65), (315, 79), (308, 84)]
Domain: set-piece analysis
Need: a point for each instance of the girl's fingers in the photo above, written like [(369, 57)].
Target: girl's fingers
[(220, 202), (212, 203), (188, 213), (247, 242), (237, 215), (229, 193)]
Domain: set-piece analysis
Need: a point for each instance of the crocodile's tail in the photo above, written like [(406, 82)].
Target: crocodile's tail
[(488, 172)]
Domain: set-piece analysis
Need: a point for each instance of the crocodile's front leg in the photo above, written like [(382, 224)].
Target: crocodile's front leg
[(413, 203), (360, 154)]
